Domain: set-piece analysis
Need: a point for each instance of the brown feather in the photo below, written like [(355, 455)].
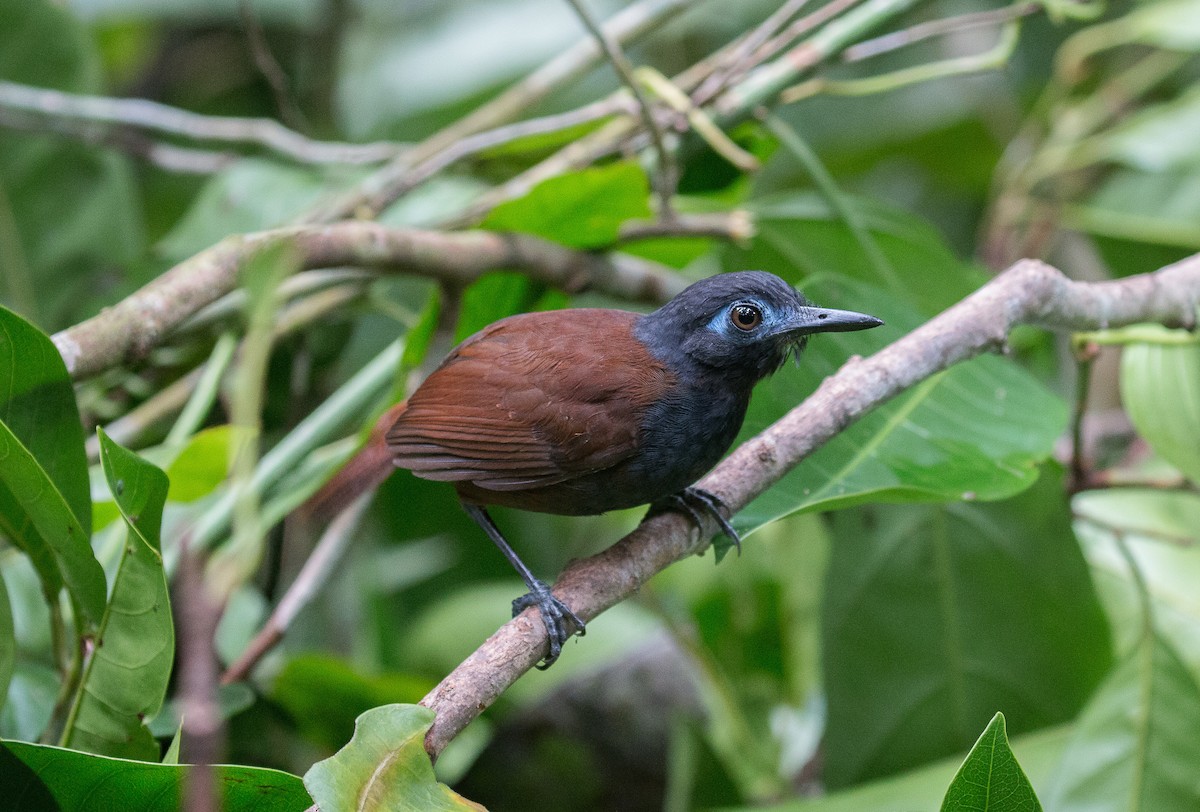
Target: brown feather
[(531, 401)]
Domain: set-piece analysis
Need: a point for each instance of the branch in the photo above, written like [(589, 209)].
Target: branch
[(1028, 293), (101, 117), (131, 328)]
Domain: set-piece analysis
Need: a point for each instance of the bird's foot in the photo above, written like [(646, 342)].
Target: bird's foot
[(693, 501), (555, 614)]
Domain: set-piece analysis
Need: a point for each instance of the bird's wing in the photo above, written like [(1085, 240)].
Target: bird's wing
[(531, 401)]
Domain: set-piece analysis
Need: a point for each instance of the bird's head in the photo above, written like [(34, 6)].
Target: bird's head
[(744, 324)]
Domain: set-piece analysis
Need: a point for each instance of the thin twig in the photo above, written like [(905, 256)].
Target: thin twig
[(1084, 356), (269, 67), (936, 28), (132, 327), (1029, 293), (759, 87), (666, 160), (58, 109), (203, 730), (373, 199), (738, 59), (735, 225), (801, 27), (312, 577), (130, 428), (169, 157)]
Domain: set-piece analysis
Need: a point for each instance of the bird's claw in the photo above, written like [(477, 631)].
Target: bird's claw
[(694, 500), (555, 615)]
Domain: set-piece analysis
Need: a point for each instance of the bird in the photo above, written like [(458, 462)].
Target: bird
[(586, 410)]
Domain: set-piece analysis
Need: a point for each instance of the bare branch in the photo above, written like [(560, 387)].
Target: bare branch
[(735, 225), (738, 58), (131, 328), (103, 117), (1028, 293), (936, 28), (376, 195)]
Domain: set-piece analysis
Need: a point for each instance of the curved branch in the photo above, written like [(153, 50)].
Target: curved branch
[(1028, 293), (132, 327)]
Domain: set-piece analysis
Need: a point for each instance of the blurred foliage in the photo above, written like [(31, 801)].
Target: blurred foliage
[(930, 574)]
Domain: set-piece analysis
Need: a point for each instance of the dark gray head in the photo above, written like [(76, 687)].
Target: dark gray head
[(743, 324)]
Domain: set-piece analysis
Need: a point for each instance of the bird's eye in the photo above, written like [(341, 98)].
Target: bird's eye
[(745, 317)]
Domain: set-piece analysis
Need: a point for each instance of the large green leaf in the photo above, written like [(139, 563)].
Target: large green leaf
[(126, 677), (990, 779), (975, 431), (1135, 748), (1147, 520), (938, 616), (40, 777), (44, 498), (582, 209), (384, 766)]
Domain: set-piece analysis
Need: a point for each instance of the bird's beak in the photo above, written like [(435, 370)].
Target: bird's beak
[(825, 320)]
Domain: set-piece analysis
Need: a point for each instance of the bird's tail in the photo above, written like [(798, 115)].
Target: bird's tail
[(362, 473)]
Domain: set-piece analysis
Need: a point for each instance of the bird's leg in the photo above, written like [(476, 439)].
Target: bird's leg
[(554, 612), (694, 500)]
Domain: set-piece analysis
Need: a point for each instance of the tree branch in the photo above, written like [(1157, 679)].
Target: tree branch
[(131, 328), (104, 118), (1028, 293)]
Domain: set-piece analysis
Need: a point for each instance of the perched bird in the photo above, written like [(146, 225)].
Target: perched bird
[(582, 411)]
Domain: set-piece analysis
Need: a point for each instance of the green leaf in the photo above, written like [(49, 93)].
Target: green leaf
[(44, 777), (1153, 375), (1144, 518), (384, 766), (1135, 746), (937, 616), (975, 431), (582, 209), (44, 498), (126, 677), (8, 643), (990, 779), (201, 466)]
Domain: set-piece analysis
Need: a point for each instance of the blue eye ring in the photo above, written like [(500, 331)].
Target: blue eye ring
[(745, 317)]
